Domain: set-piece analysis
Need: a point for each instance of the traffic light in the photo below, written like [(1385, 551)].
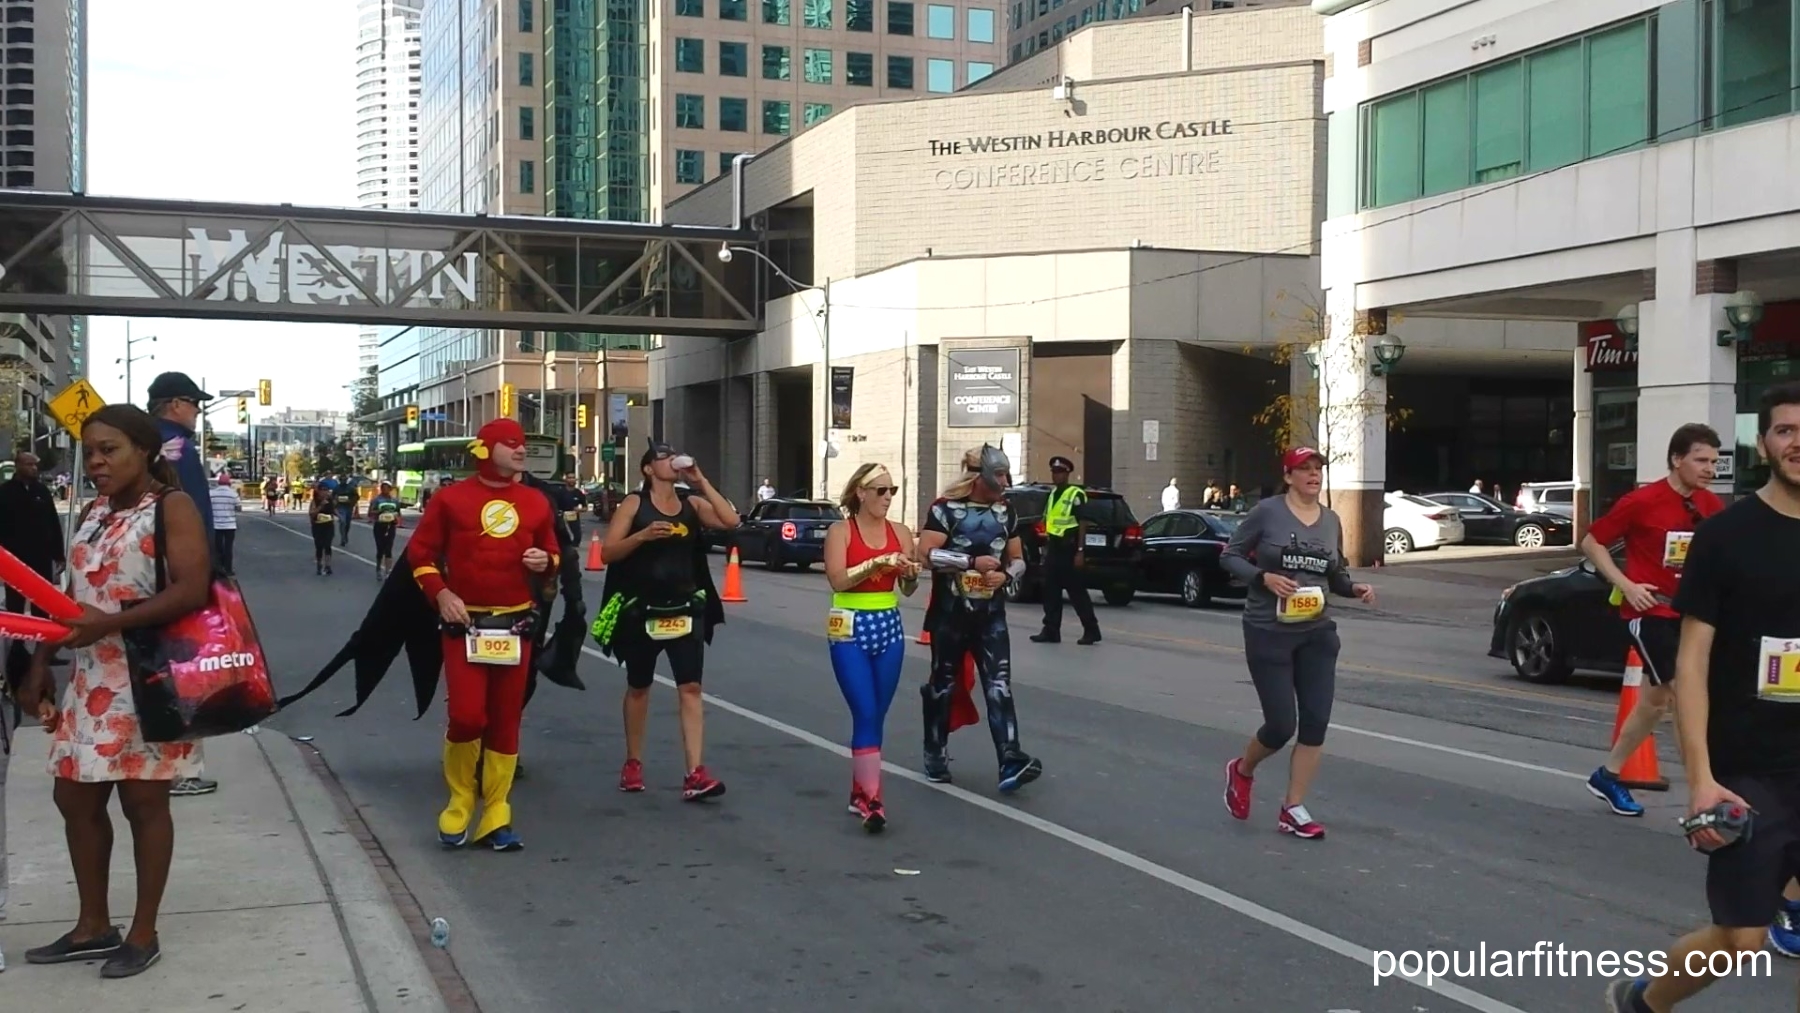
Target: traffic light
[(243, 410), (265, 393), (581, 416), (412, 416), (506, 400)]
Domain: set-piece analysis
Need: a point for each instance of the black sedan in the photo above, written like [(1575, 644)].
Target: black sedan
[(1181, 556), (1549, 626), (1491, 522)]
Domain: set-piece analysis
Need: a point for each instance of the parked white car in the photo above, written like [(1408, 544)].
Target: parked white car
[(1412, 523)]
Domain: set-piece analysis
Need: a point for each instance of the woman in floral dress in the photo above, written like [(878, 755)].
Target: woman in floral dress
[(97, 745)]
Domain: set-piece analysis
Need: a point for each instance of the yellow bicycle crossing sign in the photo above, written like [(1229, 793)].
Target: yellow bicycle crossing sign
[(76, 402)]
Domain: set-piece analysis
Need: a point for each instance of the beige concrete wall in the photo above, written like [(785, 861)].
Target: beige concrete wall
[(1141, 47)]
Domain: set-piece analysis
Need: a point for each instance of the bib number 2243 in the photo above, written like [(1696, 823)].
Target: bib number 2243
[(494, 648), (669, 627)]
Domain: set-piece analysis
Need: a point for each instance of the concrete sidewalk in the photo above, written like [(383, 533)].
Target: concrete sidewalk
[(272, 904)]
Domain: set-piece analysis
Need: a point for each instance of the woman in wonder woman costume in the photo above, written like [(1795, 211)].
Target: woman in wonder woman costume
[(867, 557)]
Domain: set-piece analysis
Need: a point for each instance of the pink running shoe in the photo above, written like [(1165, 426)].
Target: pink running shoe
[(1237, 791)]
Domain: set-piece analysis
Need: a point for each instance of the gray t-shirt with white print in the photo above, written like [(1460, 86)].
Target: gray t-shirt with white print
[(1271, 539)]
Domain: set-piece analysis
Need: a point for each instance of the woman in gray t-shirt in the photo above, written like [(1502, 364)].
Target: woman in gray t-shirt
[(1290, 552)]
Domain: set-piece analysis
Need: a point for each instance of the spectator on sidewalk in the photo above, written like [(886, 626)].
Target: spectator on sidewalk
[(176, 400), (98, 747), (1171, 496), (28, 530), (225, 504)]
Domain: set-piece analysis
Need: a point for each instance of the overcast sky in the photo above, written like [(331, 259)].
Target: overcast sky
[(236, 100)]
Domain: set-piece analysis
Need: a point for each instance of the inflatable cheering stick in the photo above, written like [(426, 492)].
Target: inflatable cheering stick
[(35, 588)]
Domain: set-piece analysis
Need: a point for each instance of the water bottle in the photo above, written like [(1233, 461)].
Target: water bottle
[(440, 933)]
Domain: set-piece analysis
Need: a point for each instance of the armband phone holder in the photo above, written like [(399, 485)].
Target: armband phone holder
[(1729, 820)]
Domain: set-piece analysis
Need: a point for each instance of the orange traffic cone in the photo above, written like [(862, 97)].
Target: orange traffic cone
[(594, 559), (734, 580), (1641, 772)]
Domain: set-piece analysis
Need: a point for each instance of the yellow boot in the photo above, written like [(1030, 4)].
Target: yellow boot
[(495, 828), (460, 759)]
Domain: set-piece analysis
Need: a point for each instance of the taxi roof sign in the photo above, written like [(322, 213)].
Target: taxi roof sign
[(76, 402)]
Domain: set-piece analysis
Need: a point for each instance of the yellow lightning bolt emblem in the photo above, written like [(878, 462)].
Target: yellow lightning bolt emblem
[(678, 530), (499, 519)]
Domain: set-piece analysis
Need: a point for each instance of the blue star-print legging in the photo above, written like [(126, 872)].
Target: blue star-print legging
[(867, 667)]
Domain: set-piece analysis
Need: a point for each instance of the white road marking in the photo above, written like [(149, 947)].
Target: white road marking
[(1205, 891), (1453, 751)]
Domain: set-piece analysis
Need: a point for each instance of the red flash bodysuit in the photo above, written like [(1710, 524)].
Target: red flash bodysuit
[(472, 541)]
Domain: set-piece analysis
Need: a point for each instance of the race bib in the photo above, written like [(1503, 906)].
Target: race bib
[(974, 585), (668, 627), (571, 515), (1675, 549), (495, 648), (1304, 604), (1778, 673), (840, 625)]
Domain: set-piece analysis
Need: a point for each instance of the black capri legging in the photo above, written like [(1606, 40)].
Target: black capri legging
[(1293, 672), (322, 538), (384, 540)]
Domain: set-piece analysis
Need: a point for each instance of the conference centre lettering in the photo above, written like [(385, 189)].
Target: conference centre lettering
[(1056, 172)]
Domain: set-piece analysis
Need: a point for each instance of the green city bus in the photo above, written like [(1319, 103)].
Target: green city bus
[(417, 465)]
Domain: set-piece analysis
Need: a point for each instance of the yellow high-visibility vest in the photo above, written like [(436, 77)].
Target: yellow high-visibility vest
[(1059, 518)]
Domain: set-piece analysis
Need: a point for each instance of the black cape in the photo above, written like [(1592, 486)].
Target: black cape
[(401, 619), (618, 579)]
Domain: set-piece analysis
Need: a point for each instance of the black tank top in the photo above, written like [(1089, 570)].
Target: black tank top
[(664, 569)]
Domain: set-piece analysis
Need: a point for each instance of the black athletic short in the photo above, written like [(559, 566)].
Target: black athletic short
[(1744, 880), (1658, 639)]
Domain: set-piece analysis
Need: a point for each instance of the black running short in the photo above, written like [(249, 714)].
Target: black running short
[(1658, 639), (1744, 880)]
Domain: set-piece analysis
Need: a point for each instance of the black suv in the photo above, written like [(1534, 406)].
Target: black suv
[(1115, 546), (782, 531)]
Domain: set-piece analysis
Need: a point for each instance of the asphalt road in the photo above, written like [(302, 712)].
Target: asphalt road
[(1452, 794)]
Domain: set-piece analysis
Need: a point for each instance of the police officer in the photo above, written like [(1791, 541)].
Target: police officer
[(1063, 538)]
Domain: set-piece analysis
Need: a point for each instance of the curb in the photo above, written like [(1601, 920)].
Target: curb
[(390, 967)]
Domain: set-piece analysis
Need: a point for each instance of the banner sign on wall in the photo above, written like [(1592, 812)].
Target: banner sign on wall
[(984, 387), (842, 381)]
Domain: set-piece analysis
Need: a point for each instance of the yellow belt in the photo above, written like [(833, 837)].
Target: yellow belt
[(865, 601)]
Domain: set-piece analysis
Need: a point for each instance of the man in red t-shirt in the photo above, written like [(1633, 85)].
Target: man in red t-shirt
[(1656, 522)]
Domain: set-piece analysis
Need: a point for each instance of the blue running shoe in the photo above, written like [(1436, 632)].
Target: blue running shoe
[(1017, 772), (454, 840), (504, 839), (1606, 787), (1784, 935), (1626, 996)]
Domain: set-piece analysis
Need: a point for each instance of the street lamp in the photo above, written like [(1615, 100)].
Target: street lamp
[(1388, 352), (1312, 359), (1626, 320), (1743, 311), (825, 449)]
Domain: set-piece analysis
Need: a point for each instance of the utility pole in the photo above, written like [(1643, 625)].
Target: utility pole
[(825, 444)]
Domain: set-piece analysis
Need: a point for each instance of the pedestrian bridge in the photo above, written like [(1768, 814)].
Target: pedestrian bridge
[(78, 254)]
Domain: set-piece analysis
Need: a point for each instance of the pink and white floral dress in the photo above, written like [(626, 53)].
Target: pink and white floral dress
[(113, 561)]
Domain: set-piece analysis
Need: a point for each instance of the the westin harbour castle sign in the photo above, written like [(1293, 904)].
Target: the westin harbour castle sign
[(1053, 157)]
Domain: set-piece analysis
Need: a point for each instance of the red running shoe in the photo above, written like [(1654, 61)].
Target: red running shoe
[(1297, 821), (631, 778), (701, 785), (1237, 791)]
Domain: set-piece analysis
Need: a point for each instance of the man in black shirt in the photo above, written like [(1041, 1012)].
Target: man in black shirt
[(28, 530), (1737, 701)]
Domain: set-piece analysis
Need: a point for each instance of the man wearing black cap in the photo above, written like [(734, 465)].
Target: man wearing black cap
[(175, 400), (1064, 534)]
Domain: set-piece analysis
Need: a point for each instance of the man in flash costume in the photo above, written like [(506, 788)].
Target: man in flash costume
[(970, 542)]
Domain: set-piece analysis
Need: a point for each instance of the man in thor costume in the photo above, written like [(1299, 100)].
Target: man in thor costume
[(475, 555)]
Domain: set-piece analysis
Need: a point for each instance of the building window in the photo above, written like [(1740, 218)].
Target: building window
[(690, 56), (527, 123), (813, 112), (977, 71), (940, 21), (734, 59), (817, 14), (525, 74), (734, 10), (1585, 98), (981, 25), (816, 66), (1018, 53), (775, 63), (689, 166), (900, 73), (527, 176), (524, 16), (940, 75), (900, 17), (1753, 59), (859, 69), (1018, 16), (775, 118), (690, 8), (690, 111), (734, 114), (859, 15), (725, 158), (776, 12)]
